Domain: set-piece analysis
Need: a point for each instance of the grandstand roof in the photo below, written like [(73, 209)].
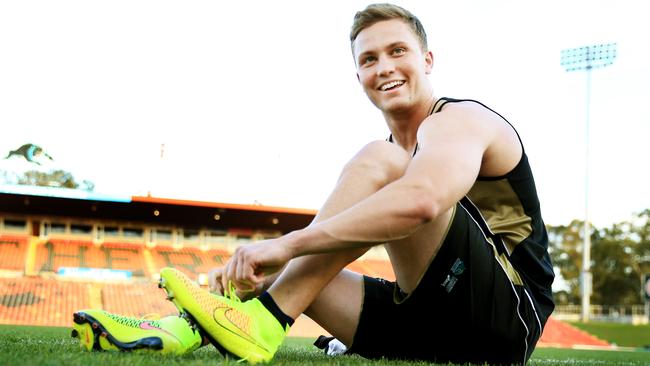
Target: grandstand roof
[(161, 210)]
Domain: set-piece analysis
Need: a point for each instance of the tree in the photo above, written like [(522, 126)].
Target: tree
[(614, 280), (620, 258), (640, 231), (565, 248), (54, 178)]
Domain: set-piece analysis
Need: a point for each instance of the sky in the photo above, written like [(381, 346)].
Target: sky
[(258, 102)]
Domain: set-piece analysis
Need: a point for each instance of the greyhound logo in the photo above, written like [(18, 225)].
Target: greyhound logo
[(32, 153)]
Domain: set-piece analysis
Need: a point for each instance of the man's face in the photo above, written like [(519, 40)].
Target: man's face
[(391, 66)]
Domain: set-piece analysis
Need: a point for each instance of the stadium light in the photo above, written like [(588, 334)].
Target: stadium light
[(586, 59)]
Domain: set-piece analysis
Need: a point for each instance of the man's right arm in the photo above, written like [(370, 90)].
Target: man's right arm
[(452, 147)]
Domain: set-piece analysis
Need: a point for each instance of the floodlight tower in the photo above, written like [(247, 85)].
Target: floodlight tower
[(586, 59)]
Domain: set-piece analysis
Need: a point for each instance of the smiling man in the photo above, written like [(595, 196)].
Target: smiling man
[(451, 196)]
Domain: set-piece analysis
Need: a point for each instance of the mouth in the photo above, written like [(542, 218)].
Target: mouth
[(391, 85)]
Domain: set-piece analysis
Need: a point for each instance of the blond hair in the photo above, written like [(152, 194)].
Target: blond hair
[(374, 13)]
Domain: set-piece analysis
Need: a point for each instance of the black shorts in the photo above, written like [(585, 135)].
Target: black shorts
[(465, 308)]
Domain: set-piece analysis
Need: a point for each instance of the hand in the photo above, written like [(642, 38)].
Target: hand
[(215, 283), (214, 280), (251, 263)]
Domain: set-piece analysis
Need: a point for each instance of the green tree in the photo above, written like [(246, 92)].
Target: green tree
[(565, 248), (640, 232), (620, 258), (614, 280)]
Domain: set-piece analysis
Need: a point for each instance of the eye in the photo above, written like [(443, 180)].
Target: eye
[(399, 51), (367, 60)]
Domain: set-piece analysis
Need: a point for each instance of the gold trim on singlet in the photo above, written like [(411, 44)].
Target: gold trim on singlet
[(502, 210), (437, 106), (503, 260), (511, 272)]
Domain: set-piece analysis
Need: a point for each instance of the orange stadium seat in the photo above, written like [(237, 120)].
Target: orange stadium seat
[(51, 302), (136, 300), (191, 261), (56, 253), (13, 249), (36, 301), (122, 256)]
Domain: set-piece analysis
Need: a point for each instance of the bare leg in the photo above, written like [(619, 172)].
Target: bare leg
[(334, 297), (318, 285)]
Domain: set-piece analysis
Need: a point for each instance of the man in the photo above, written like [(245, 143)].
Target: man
[(452, 198)]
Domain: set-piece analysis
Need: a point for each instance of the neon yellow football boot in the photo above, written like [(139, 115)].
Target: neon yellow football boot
[(102, 331), (245, 329)]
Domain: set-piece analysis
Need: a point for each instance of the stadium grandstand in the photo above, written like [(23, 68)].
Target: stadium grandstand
[(61, 254)]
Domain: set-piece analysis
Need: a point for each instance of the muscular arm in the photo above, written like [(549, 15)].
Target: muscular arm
[(456, 145), (452, 149)]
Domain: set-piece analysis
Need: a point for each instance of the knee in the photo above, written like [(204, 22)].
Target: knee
[(380, 161)]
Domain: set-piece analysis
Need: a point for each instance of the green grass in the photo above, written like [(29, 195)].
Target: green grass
[(624, 335), (53, 346)]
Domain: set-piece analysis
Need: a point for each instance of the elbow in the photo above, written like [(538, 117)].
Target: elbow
[(428, 206)]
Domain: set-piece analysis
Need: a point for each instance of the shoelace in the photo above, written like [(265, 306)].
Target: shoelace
[(232, 292)]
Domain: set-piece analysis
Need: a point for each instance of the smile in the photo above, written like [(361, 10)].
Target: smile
[(391, 85)]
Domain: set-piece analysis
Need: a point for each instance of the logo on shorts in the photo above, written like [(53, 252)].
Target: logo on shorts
[(452, 277)]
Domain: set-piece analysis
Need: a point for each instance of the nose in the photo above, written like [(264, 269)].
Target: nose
[(385, 66)]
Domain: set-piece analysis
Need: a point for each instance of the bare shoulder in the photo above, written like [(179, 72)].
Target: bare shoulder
[(463, 121), (474, 124), (469, 114)]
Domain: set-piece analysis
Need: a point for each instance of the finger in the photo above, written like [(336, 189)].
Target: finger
[(212, 279), (220, 278), (256, 279), (218, 288), (216, 285), (224, 278), (241, 267), (241, 283), (247, 280), (232, 266)]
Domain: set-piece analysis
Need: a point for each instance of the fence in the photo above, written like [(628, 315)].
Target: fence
[(630, 314)]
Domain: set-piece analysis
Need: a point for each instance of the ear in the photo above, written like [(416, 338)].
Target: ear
[(358, 78), (428, 60)]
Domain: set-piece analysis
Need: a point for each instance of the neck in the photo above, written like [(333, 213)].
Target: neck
[(404, 125)]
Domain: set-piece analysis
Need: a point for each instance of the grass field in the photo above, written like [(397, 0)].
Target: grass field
[(21, 345), (623, 335)]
